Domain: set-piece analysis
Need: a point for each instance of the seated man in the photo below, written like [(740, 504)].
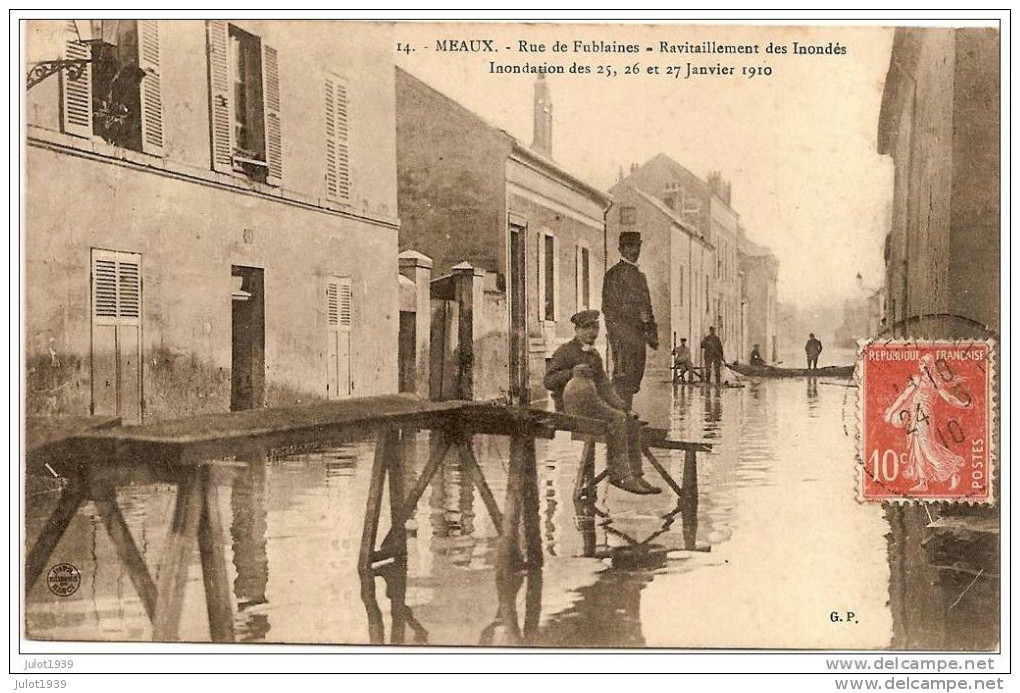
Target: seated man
[(597, 400), (756, 359), (682, 361)]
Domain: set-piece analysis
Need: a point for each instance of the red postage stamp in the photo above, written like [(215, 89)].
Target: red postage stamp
[(926, 421)]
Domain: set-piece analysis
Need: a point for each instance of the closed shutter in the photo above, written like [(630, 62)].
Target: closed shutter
[(219, 96), (338, 162), (338, 165), (151, 94), (271, 103), (76, 94), (329, 91), (116, 334)]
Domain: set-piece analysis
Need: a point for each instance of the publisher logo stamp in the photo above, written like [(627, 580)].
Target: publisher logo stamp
[(925, 425), (63, 579)]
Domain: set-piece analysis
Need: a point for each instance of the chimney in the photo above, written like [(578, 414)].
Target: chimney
[(719, 186), (633, 167), (542, 142)]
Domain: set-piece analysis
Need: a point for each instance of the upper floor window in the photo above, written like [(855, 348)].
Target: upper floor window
[(118, 96), (628, 216), (244, 101), (548, 276), (583, 270)]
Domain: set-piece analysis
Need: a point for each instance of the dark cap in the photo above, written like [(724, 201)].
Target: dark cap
[(683, 339), (585, 318), (630, 238)]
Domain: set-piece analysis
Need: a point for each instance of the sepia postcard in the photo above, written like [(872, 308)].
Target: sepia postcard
[(561, 335)]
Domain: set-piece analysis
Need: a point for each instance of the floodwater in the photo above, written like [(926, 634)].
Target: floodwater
[(776, 544)]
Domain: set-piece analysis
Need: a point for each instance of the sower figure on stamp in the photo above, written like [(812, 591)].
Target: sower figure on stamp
[(630, 323), (577, 380)]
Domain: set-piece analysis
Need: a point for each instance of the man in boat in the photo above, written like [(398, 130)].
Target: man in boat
[(592, 395), (712, 351), (813, 348), (630, 323), (756, 359), (682, 361)]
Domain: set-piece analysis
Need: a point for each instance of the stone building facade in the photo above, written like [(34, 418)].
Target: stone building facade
[(674, 258), (211, 218), (759, 271), (702, 209), (940, 124), (471, 193)]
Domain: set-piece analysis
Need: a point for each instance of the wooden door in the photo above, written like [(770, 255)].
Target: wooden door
[(116, 349), (338, 338)]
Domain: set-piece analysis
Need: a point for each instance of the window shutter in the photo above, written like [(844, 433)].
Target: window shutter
[(332, 304), (342, 126), (219, 96), (151, 96), (330, 94), (346, 311), (104, 287), (116, 288), (271, 103), (338, 304), (129, 290), (76, 94)]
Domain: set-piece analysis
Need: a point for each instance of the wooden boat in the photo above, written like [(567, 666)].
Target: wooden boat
[(780, 372)]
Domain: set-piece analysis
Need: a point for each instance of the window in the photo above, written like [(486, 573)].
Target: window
[(548, 276), (628, 216), (244, 97), (583, 270), (338, 167), (117, 97)]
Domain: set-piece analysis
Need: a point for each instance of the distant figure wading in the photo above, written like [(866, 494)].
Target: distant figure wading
[(813, 348)]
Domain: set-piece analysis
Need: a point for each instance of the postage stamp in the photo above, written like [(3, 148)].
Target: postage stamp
[(926, 421)]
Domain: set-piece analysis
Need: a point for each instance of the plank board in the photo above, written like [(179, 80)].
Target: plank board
[(211, 436)]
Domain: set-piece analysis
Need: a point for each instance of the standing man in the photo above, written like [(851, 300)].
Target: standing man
[(578, 384), (712, 351), (630, 324), (813, 348)]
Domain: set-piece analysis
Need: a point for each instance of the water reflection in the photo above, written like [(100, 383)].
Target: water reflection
[(765, 539)]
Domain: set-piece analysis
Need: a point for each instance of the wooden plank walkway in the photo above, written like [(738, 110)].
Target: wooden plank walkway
[(97, 455)]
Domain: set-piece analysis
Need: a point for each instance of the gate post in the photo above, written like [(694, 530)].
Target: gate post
[(418, 268), (468, 293)]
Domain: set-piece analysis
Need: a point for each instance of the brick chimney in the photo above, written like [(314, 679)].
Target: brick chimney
[(542, 142)]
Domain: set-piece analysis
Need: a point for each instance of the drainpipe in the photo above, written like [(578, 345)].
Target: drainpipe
[(605, 268), (605, 238), (911, 161)]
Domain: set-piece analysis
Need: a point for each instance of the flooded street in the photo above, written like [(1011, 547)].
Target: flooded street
[(776, 543)]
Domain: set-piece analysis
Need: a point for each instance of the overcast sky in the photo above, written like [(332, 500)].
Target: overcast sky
[(798, 146)]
